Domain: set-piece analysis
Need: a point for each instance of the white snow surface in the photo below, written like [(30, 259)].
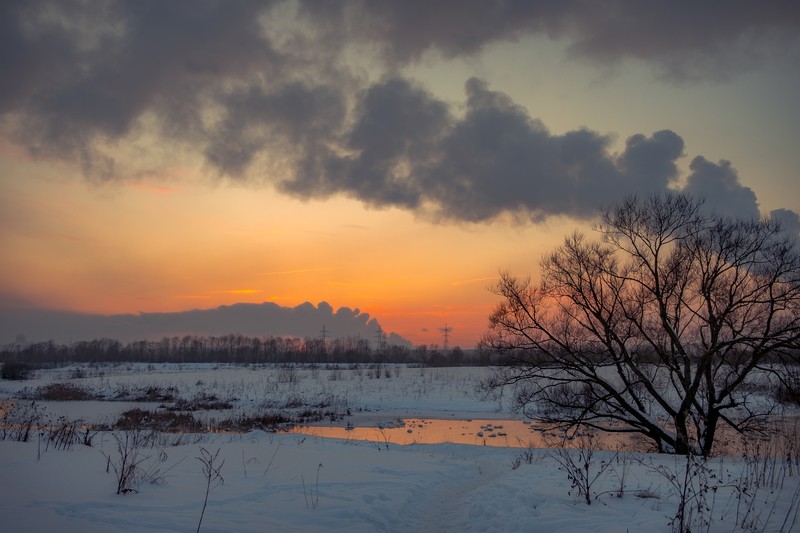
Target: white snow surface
[(293, 482)]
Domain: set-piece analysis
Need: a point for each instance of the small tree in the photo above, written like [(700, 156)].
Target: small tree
[(653, 328)]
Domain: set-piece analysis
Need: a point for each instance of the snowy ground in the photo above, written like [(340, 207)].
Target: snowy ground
[(294, 482)]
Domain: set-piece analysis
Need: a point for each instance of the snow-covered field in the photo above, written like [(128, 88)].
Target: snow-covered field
[(298, 482)]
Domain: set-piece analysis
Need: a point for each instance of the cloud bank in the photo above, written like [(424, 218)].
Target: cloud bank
[(264, 92), (255, 320), (681, 39)]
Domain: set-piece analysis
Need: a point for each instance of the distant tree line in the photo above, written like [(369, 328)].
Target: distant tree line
[(238, 349)]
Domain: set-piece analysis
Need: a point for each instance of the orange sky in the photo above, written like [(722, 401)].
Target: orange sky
[(393, 161), (149, 247)]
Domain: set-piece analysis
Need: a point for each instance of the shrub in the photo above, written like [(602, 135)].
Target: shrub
[(695, 486), (145, 394), (138, 419), (16, 371), (20, 421), (155, 394), (201, 402), (62, 392), (64, 433), (265, 422), (130, 464), (580, 465), (789, 390)]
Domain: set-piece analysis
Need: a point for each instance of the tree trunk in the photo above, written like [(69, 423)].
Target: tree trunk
[(681, 444), (712, 421)]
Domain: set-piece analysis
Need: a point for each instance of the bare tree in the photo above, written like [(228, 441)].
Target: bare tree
[(652, 328)]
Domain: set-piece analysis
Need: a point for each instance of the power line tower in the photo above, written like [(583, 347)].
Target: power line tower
[(446, 331), (381, 338), (324, 334)]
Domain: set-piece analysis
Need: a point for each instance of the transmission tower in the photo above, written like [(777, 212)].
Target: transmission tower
[(324, 334), (446, 331), (381, 338)]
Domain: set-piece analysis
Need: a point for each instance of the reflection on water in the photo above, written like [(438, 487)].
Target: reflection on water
[(507, 433), (779, 438)]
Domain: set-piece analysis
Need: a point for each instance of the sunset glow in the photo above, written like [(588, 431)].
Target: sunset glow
[(396, 176)]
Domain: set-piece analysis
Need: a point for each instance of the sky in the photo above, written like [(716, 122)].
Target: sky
[(384, 157)]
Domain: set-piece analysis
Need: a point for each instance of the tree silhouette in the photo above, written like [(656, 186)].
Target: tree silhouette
[(653, 328)]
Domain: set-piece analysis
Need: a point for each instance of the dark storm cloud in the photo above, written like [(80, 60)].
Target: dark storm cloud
[(252, 81)]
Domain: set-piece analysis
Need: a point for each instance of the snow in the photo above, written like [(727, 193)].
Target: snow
[(297, 482)]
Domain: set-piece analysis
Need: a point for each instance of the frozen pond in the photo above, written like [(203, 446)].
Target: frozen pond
[(94, 411), (505, 433), (524, 434)]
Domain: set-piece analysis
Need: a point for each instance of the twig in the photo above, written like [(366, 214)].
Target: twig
[(213, 477)]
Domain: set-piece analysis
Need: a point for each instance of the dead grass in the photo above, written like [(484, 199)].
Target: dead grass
[(166, 421), (60, 392)]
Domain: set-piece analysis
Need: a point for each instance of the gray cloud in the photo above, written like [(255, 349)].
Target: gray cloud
[(718, 184), (395, 132), (408, 149), (239, 81), (685, 40), (292, 118), (266, 319), (69, 91), (788, 219), (682, 39)]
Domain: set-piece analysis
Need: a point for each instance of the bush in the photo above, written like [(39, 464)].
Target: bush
[(20, 421), (139, 419), (16, 371), (201, 402), (64, 433), (264, 422), (130, 464), (145, 394), (789, 390), (155, 394), (62, 392)]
